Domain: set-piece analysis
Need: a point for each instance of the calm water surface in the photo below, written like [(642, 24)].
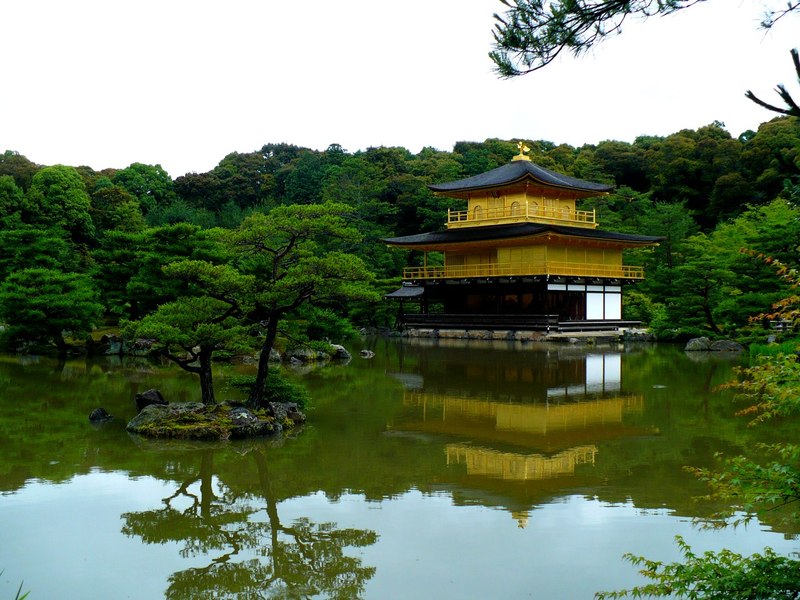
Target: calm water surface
[(430, 471)]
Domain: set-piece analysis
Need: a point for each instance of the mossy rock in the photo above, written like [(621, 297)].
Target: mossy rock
[(197, 421)]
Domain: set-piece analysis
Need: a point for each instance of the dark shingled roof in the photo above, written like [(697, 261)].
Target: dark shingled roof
[(517, 171), (501, 232), (407, 291)]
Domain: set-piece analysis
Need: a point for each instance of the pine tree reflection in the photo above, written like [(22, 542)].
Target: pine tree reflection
[(250, 557)]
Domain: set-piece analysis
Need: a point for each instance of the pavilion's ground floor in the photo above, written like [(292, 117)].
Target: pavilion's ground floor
[(532, 303)]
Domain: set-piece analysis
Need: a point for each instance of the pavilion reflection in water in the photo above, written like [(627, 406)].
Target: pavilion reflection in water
[(542, 433), (510, 465)]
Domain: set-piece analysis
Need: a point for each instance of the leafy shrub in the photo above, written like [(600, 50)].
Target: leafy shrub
[(639, 307), (324, 323), (278, 389)]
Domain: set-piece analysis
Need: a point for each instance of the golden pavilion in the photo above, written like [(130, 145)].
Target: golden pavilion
[(521, 256)]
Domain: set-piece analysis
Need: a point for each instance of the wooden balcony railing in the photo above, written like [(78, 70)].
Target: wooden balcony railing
[(567, 269), (520, 213)]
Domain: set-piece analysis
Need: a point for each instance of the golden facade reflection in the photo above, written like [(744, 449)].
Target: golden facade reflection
[(519, 467), (539, 419)]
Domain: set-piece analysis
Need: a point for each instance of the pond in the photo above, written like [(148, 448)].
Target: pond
[(433, 470)]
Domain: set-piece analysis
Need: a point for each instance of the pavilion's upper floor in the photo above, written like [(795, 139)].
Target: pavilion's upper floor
[(521, 192)]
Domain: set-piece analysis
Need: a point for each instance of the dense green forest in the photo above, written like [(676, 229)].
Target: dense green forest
[(85, 248)]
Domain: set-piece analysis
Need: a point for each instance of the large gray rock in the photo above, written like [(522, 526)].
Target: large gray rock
[(138, 347), (99, 415), (726, 346), (638, 335), (306, 355), (287, 410), (246, 424), (340, 353), (149, 397), (701, 344), (107, 345)]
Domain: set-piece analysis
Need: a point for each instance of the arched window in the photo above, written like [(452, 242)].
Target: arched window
[(516, 209), (477, 213), (533, 208)]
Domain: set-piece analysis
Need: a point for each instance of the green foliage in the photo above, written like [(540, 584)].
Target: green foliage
[(151, 185), (19, 167), (42, 305), (377, 312), (178, 211), (180, 326), (292, 257), (770, 388), (532, 33), (25, 247), (774, 349), (57, 197), (477, 157), (324, 323), (639, 307), (114, 208), (771, 154), (710, 286), (12, 197), (288, 252), (278, 388), (128, 265), (722, 575)]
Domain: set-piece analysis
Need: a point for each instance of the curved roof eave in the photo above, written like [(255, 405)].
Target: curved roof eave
[(501, 232), (517, 171)]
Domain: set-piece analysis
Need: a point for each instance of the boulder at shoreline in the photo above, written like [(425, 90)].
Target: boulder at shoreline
[(703, 344)]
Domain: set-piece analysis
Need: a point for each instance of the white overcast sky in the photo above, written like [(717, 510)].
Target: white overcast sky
[(181, 83)]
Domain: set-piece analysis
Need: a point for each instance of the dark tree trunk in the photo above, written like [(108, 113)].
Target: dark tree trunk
[(61, 344), (707, 313), (206, 379), (256, 399)]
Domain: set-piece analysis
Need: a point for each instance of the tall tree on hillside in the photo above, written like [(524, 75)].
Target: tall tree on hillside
[(150, 184), (771, 156), (12, 198), (45, 305), (17, 166), (355, 182), (27, 247), (57, 198), (244, 179), (114, 208), (625, 162), (128, 265), (688, 166)]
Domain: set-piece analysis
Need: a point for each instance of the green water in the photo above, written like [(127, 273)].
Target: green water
[(446, 470)]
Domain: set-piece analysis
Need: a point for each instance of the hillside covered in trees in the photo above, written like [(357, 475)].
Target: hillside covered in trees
[(82, 247)]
